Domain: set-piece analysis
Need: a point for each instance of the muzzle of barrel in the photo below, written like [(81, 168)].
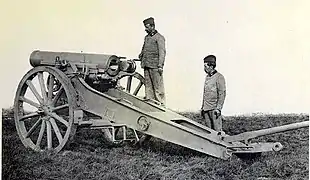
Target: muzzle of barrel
[(128, 66), (113, 66)]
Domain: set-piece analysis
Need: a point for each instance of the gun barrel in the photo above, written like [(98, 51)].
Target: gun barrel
[(253, 134), (103, 61)]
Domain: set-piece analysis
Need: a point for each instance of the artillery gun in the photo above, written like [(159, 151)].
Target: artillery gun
[(65, 91)]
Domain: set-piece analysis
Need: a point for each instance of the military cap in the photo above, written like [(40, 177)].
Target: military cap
[(149, 20), (210, 58)]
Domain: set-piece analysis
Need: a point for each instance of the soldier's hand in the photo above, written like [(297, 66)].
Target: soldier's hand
[(160, 70), (202, 113), (217, 113)]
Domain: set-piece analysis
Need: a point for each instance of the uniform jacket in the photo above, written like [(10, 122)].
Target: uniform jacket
[(153, 51), (214, 92)]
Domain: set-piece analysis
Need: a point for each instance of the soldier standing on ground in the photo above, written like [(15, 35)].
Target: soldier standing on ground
[(214, 94), (152, 59)]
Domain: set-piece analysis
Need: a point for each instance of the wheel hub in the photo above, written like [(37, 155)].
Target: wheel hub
[(45, 110)]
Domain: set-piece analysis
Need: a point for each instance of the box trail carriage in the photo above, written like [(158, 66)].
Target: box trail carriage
[(65, 91)]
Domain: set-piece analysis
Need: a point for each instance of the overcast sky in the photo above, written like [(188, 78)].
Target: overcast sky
[(262, 46)]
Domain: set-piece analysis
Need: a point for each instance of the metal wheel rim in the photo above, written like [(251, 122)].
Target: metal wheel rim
[(129, 83)]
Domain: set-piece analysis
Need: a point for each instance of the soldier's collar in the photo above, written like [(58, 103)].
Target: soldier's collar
[(212, 73), (153, 33)]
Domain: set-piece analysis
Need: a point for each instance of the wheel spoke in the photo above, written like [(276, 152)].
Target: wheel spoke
[(34, 91), (29, 101), (50, 87), (55, 116), (41, 81), (29, 116), (138, 88), (129, 84), (33, 128), (40, 134), (57, 95), (49, 134), (60, 107), (56, 130)]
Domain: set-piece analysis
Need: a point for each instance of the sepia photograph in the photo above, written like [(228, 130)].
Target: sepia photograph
[(155, 90)]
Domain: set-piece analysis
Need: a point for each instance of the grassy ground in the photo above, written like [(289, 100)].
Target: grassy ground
[(88, 157)]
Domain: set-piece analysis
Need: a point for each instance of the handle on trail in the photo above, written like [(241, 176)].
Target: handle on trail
[(253, 134)]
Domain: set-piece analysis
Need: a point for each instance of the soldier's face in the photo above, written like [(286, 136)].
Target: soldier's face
[(149, 28), (207, 68)]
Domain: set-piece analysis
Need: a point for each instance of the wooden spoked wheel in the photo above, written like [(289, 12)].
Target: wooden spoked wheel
[(44, 114), (133, 84)]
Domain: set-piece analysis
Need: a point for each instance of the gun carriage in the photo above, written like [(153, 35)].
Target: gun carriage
[(65, 91)]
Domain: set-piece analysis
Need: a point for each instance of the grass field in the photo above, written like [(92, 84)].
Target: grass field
[(88, 157)]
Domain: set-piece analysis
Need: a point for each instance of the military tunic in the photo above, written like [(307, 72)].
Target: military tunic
[(214, 92)]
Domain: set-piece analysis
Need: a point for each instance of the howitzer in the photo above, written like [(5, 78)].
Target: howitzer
[(65, 91)]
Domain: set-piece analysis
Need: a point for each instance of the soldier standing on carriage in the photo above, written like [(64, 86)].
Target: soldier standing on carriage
[(152, 59)]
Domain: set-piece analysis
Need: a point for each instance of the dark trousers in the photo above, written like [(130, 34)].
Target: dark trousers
[(154, 85), (212, 121)]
